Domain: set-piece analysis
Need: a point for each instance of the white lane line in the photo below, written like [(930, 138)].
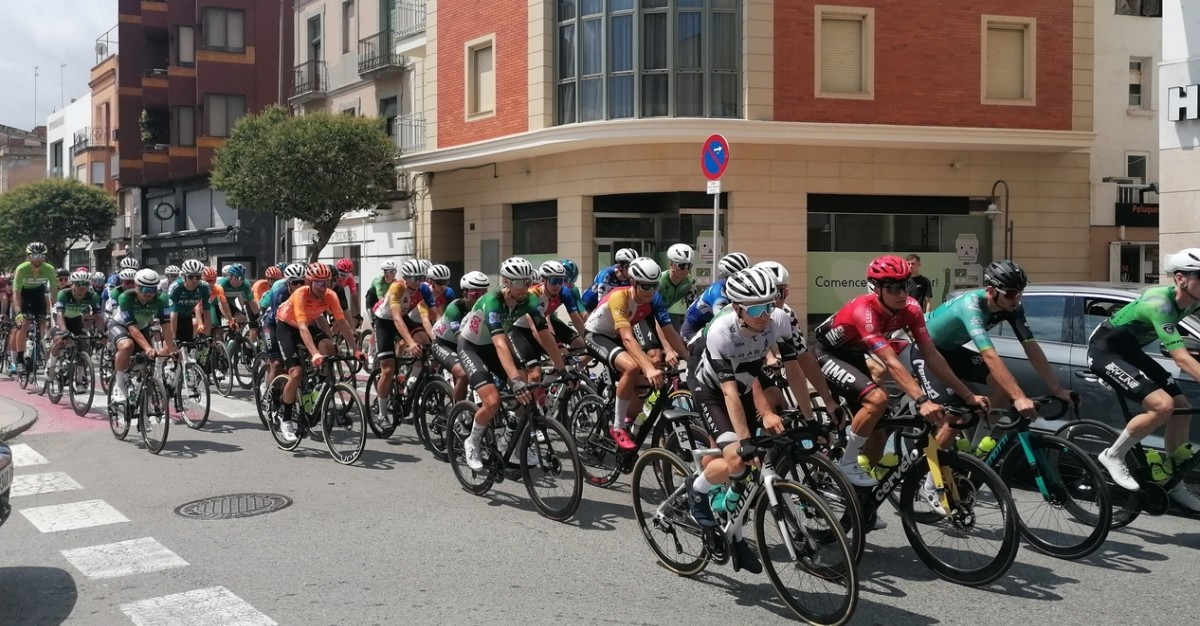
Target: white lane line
[(49, 519), (124, 558), (229, 407), (24, 456), (215, 606), (36, 484)]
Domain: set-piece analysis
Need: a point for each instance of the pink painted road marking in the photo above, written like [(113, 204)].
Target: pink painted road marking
[(52, 418)]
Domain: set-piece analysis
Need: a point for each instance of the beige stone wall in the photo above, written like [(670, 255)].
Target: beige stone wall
[(1082, 48), (758, 57), (767, 187), (1102, 236), (1179, 200)]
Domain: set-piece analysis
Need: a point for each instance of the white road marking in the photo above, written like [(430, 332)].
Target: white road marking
[(24, 456), (124, 558), (49, 519), (215, 605), (36, 484)]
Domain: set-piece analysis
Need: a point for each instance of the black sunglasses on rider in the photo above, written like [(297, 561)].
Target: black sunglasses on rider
[(895, 287), (441, 283), (684, 266), (191, 277), (296, 281)]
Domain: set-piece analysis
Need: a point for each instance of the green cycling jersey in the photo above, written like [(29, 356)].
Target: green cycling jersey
[(967, 318), (28, 278), (70, 307), (491, 315), (1153, 315)]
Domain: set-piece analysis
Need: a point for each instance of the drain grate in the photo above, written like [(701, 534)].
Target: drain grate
[(234, 506)]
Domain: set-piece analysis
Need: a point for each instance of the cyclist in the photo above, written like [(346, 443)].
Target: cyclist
[(862, 325), (5, 297), (380, 285), (299, 314), (402, 314), (347, 289), (609, 278), (127, 263), (31, 298), (263, 285), (111, 296), (610, 338), (702, 309), (445, 332), (129, 330), (172, 273), (723, 376), (484, 350), (73, 308), (677, 285), (188, 297), (438, 279), (1116, 355), (64, 281), (218, 304), (293, 279), (551, 293), (240, 297)]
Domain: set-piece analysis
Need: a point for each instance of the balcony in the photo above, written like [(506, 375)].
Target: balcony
[(410, 28), (410, 133), (377, 55), (90, 137), (308, 81)]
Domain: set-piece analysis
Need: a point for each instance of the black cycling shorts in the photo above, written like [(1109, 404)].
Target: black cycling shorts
[(290, 342), (967, 364), (445, 352), (185, 329), (33, 302), (847, 375), (604, 348), (1131, 372), (716, 415), (527, 352), (481, 363), (563, 333), (647, 335), (387, 335)]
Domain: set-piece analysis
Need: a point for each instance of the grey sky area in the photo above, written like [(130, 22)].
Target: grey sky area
[(47, 34)]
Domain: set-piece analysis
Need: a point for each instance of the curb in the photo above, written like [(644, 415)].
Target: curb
[(25, 417)]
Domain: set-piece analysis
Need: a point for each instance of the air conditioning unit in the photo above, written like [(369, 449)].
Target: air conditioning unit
[(101, 49)]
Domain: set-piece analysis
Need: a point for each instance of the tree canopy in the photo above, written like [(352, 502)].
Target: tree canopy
[(315, 167), (56, 211)]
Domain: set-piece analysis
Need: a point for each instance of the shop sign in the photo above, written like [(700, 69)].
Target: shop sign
[(837, 277), (1183, 103), (1137, 214)]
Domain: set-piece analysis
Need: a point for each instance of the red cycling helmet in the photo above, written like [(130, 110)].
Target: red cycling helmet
[(209, 274), (273, 273), (318, 271), (889, 267), (345, 265)]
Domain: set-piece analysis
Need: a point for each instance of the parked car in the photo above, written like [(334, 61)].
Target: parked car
[(6, 478)]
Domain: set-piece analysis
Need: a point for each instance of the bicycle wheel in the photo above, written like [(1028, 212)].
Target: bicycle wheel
[(261, 369), (106, 369), (978, 542), (343, 423), (240, 361), (431, 408), (1093, 437), (461, 418), (1060, 497), (588, 425), (193, 396), (218, 368), (56, 381), (661, 510), (117, 420), (154, 418), (821, 476), (28, 375), (550, 467), (807, 558), (381, 426), (275, 414), (83, 389)]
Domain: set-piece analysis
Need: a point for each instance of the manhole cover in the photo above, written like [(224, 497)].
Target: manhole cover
[(234, 506)]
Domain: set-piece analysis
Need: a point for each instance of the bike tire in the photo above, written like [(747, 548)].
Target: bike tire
[(970, 474), (193, 374), (819, 474), (241, 368), (807, 528), (431, 410), (106, 369), (553, 449), (116, 419), (155, 420), (218, 369), (598, 454), (1092, 437), (83, 386), (1076, 486), (275, 390), (661, 507), (344, 427), (261, 368), (462, 417), (382, 428), (54, 384)]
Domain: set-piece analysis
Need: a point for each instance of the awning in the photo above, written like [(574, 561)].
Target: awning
[(98, 245)]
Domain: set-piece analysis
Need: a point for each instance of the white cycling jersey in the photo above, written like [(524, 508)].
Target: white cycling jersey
[(731, 351)]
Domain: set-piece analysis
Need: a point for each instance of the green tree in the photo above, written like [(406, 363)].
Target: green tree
[(314, 167), (56, 211)]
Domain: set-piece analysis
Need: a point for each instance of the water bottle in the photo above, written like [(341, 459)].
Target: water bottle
[(636, 427), (985, 447), (1158, 471), (962, 444), (889, 462), (309, 401), (1181, 455)]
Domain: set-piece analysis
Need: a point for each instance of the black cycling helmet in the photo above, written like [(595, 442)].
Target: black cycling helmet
[(62, 273), (1005, 274)]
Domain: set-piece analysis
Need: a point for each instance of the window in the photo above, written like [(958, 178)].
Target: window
[(388, 110), (350, 112), (183, 126), (481, 78), (1135, 165), (1141, 8), (347, 31), (225, 30), (185, 44), (1009, 69), (1048, 317), (535, 227), (844, 52), (220, 113), (97, 174), (620, 59), (1139, 83)]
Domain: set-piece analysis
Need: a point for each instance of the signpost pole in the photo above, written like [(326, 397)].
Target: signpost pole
[(716, 231), (714, 158)]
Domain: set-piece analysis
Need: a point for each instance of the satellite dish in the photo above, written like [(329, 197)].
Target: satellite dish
[(101, 48)]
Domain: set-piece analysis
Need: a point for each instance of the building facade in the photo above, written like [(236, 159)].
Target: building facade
[(188, 69), (573, 128), (22, 156), (360, 57), (1179, 127), (67, 138)]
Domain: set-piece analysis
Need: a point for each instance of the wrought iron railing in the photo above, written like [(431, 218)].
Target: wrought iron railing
[(410, 132), (308, 78)]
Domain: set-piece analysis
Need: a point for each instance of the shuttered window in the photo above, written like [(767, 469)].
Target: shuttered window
[(842, 55), (1006, 62), (482, 73)]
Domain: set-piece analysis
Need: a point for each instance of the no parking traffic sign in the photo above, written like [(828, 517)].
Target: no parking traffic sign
[(714, 157)]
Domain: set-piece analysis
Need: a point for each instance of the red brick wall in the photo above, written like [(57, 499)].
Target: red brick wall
[(927, 65), (460, 21)]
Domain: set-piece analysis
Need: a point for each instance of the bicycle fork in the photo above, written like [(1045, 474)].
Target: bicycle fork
[(939, 472)]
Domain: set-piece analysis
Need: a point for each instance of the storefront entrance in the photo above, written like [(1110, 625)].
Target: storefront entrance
[(1133, 262)]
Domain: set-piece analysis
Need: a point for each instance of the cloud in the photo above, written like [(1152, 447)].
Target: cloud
[(47, 34)]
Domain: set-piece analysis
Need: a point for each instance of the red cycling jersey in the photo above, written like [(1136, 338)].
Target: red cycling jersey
[(349, 282), (863, 325)]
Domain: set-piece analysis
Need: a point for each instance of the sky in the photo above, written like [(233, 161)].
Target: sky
[(47, 34)]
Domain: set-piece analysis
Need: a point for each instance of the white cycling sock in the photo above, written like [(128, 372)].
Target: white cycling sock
[(477, 431), (1124, 443), (701, 484), (619, 418), (854, 443), (122, 380), (929, 486)]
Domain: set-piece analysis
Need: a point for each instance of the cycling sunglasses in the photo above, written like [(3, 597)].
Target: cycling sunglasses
[(684, 266), (318, 284), (622, 266), (759, 310), (82, 283), (416, 278), (895, 287), (647, 286), (296, 281), (441, 283), (37, 257), (344, 274), (191, 277), (475, 293), (127, 283), (554, 282), (1012, 294), (523, 283), (151, 289)]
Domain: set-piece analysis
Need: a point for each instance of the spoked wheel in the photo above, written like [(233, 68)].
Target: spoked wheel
[(193, 396), (598, 455), (261, 369), (344, 423), (431, 409), (661, 509), (275, 413), (347, 371), (807, 558), (551, 468), (821, 476), (241, 361), (219, 369), (461, 419), (155, 420), (106, 369), (1093, 437), (383, 427), (1061, 499), (56, 381), (118, 418), (83, 389), (977, 542)]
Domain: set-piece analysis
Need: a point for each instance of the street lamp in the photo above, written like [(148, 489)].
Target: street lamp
[(993, 212)]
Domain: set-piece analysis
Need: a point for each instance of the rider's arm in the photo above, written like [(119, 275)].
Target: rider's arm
[(1172, 342), (394, 296), (340, 320), (973, 318), (733, 406), (60, 314), (307, 338), (504, 352), (545, 336), (423, 312)]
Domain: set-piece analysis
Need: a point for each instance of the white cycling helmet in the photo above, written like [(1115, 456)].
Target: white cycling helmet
[(438, 272), (777, 270), (130, 263), (1186, 260), (295, 271), (475, 280), (99, 276), (192, 266), (147, 278), (644, 270), (625, 255), (425, 265), (751, 286), (517, 268), (552, 269), (733, 263), (679, 253), (388, 266), (127, 274), (172, 270), (81, 277), (412, 267)]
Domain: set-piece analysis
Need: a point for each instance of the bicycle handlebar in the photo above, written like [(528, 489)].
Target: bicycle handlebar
[(1009, 417)]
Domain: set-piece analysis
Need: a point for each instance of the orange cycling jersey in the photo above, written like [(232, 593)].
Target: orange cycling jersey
[(218, 293), (303, 307), (260, 287)]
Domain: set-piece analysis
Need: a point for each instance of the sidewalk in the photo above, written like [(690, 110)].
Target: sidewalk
[(15, 418)]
